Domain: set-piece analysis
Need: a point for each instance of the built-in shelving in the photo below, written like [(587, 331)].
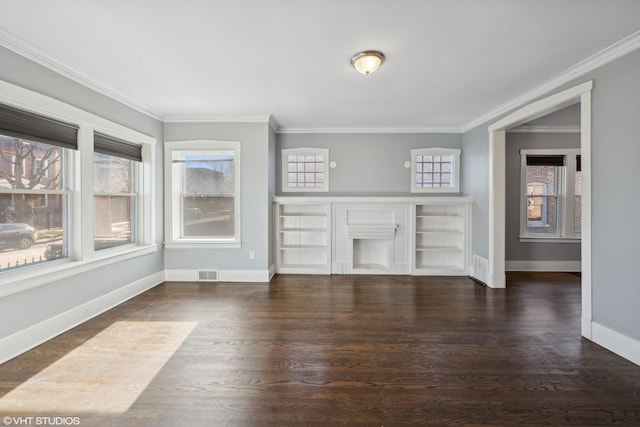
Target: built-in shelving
[(303, 241), (441, 238), (373, 235)]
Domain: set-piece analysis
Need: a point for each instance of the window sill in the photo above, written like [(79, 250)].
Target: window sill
[(20, 280), (530, 239), (205, 244)]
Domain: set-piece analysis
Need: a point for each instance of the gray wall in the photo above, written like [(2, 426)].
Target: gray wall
[(475, 183), (367, 163), (615, 205), (532, 251), (256, 204), (273, 178), (24, 309)]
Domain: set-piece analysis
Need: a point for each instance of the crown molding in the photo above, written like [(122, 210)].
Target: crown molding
[(284, 130), (603, 57), (196, 118), (544, 129), (22, 48)]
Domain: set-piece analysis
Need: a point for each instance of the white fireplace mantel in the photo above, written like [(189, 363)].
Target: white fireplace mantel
[(419, 235)]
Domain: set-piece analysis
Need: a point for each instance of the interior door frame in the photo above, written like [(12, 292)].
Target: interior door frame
[(497, 177)]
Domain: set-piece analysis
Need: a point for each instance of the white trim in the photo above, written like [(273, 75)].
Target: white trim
[(204, 118), (314, 200), (544, 129), (621, 344), (585, 234), (372, 130), (560, 266), (29, 51), (259, 276), (603, 57), (25, 339), (497, 147)]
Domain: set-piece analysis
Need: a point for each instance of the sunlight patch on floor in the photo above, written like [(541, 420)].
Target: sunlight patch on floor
[(105, 375)]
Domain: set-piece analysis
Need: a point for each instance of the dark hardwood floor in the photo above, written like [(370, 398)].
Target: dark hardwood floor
[(365, 351)]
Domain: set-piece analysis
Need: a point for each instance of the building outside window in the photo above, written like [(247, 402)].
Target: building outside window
[(34, 187), (203, 180), (551, 187), (115, 184)]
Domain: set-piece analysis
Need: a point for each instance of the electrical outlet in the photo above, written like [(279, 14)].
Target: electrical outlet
[(252, 254)]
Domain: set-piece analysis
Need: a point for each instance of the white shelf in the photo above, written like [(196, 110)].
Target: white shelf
[(439, 248), (303, 239), (301, 214), (440, 215), (372, 235), (296, 230), (303, 247), (441, 242)]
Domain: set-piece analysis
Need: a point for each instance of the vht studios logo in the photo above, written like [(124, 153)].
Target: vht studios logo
[(41, 421)]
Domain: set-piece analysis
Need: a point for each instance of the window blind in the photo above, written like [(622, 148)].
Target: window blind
[(549, 160), (111, 146), (34, 127)]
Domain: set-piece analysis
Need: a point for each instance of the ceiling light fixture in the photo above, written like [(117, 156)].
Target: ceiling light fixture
[(368, 61)]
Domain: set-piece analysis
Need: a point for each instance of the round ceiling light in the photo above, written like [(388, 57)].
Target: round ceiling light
[(367, 62)]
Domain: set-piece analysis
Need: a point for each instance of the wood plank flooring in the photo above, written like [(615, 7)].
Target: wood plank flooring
[(364, 351)]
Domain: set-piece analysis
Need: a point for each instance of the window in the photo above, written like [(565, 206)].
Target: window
[(203, 185), (435, 170), (305, 169), (551, 190), (59, 189), (115, 186), (34, 190)]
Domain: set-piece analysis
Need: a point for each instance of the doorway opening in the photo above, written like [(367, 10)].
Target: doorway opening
[(496, 276)]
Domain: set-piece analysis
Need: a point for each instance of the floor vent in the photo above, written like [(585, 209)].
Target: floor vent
[(480, 269), (208, 275)]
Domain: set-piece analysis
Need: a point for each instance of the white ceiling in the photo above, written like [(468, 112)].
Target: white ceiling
[(449, 62)]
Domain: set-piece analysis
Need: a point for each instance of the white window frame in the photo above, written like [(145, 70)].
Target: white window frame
[(436, 151), (173, 198), (79, 174), (304, 151), (137, 206), (565, 187)]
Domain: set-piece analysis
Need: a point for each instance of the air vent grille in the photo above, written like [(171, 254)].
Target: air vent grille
[(480, 269), (208, 275)]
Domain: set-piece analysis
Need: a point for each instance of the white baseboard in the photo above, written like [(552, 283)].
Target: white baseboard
[(223, 275), (568, 266), (618, 343), (19, 342), (272, 271)]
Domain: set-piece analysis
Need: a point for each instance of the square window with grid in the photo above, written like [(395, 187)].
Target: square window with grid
[(305, 169), (434, 171)]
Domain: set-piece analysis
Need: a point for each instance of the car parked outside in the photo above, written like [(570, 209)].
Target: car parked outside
[(17, 235)]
